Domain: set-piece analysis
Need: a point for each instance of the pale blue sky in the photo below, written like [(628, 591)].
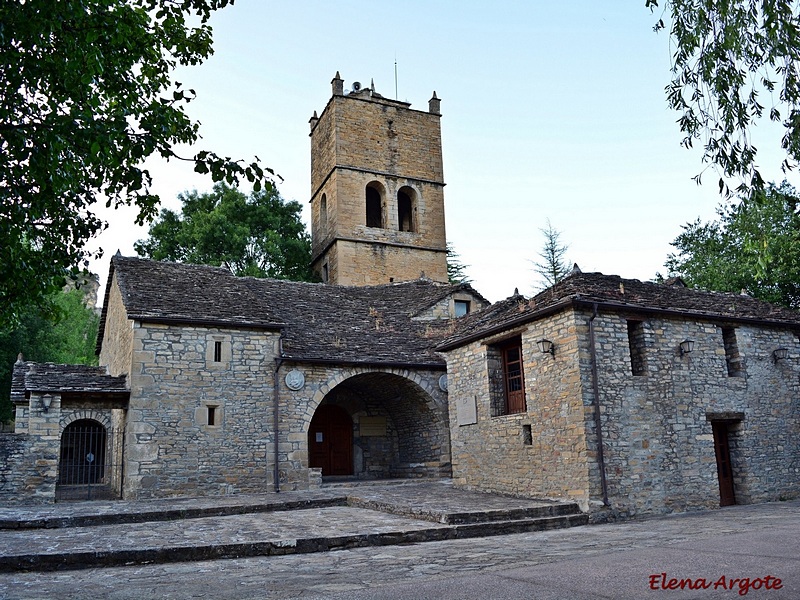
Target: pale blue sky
[(550, 110)]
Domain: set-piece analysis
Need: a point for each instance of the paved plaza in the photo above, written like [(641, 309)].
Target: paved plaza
[(735, 552)]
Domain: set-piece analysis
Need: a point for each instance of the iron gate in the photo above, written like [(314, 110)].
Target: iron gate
[(90, 462)]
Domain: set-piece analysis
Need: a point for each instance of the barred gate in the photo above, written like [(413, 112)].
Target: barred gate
[(90, 462)]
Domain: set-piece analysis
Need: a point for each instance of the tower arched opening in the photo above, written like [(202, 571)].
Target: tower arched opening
[(374, 205), (407, 209)]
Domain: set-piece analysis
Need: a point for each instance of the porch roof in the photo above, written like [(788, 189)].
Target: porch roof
[(48, 377)]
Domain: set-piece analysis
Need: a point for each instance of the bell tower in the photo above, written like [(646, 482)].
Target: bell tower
[(377, 189)]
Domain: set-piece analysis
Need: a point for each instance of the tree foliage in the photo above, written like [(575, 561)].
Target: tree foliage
[(456, 270), (260, 235), (734, 62), (754, 246), (66, 335), (86, 95), (554, 267)]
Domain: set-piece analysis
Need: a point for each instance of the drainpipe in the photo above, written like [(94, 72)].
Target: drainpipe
[(276, 411), (596, 402)]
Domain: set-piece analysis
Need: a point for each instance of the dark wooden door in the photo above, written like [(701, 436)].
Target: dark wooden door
[(724, 470), (330, 441)]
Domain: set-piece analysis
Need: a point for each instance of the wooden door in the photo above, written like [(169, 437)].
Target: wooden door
[(724, 470), (330, 441)]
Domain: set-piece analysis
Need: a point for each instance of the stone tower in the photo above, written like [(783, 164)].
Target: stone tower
[(377, 199)]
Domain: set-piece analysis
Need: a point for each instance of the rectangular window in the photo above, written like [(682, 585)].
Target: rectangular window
[(527, 435), (636, 345), (212, 415), (462, 307), (217, 351), (506, 377), (733, 360)]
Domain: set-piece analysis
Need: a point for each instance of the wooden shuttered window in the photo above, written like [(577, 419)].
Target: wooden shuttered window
[(513, 376)]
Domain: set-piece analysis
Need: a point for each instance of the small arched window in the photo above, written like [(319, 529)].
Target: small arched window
[(406, 209), (374, 208), (323, 212)]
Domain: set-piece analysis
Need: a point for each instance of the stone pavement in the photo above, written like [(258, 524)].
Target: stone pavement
[(87, 534), (590, 562)]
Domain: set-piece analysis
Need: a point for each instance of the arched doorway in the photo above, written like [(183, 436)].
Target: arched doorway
[(394, 428), (82, 464), (330, 441)]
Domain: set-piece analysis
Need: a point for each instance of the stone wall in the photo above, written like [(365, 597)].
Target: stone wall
[(117, 343), (658, 445), (171, 447), (540, 452), (658, 441), (29, 457)]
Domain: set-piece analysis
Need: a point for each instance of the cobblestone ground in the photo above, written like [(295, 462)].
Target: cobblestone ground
[(601, 561)]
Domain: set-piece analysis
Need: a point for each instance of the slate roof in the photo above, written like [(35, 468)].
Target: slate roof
[(49, 377), (615, 293), (373, 324)]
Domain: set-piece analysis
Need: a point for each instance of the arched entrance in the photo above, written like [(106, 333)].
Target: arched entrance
[(392, 427), (330, 441), (83, 450), (87, 468)]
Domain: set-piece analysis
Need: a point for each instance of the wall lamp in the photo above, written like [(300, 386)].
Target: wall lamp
[(686, 346), (547, 347), (780, 354), (46, 402)]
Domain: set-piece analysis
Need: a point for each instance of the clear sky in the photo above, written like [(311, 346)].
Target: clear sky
[(551, 110)]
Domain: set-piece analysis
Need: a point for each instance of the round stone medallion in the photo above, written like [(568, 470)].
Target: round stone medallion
[(295, 380)]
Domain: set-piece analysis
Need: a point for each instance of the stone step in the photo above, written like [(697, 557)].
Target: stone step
[(50, 560), (534, 511), (171, 513)]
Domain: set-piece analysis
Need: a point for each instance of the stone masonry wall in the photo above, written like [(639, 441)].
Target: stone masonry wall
[(117, 348), (540, 452), (29, 456), (171, 449), (657, 435), (376, 135), (658, 440)]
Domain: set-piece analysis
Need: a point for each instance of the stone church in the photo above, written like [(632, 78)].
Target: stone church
[(624, 396)]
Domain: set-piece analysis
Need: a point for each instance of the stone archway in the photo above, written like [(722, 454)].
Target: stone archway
[(87, 468), (398, 429)]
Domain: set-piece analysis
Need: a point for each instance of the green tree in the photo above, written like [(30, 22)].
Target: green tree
[(753, 246), (86, 95), (733, 62), (456, 270), (553, 268), (260, 235), (65, 335)]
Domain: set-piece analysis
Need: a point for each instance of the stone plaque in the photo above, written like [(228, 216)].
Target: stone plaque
[(372, 426), (467, 410), (443, 383), (295, 380)]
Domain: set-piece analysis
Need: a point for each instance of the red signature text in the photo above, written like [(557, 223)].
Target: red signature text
[(661, 581)]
